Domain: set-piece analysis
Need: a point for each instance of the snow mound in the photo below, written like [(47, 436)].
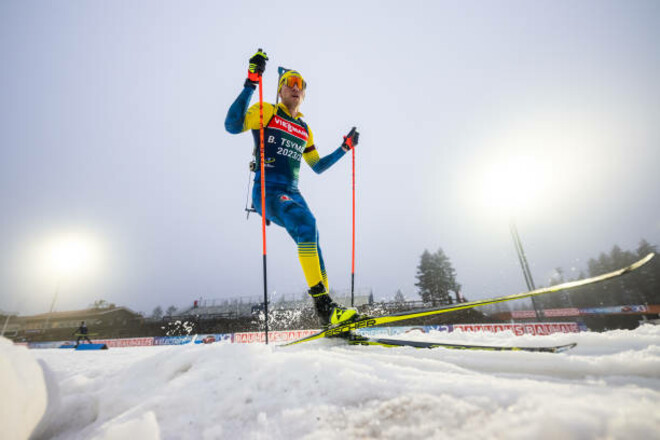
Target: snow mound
[(22, 391), (144, 427)]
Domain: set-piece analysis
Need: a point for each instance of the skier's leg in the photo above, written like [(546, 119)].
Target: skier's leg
[(300, 223), (324, 274), (289, 210)]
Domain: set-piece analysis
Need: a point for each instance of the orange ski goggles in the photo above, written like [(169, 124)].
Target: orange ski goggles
[(293, 79)]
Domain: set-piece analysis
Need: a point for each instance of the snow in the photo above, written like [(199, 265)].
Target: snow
[(607, 387), (22, 391)]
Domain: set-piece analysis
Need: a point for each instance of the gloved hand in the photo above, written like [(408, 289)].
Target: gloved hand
[(350, 140), (257, 66)]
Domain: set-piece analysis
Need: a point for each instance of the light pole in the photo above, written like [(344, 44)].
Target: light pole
[(4, 327), (524, 265), (52, 306)]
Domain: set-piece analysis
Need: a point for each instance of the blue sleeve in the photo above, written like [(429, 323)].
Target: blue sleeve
[(236, 115), (326, 162)]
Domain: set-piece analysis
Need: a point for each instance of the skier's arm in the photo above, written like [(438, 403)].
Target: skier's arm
[(235, 120), (320, 164)]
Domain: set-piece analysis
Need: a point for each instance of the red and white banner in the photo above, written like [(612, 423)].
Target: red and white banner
[(277, 336), (521, 329)]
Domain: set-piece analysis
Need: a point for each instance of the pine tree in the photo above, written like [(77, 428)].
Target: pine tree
[(157, 313), (644, 248), (649, 288), (436, 278), (556, 300)]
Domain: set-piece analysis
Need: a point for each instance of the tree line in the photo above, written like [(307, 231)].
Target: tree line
[(641, 287), (157, 313), (437, 281)]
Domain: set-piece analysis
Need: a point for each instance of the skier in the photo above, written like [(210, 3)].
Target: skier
[(82, 334), (288, 140)]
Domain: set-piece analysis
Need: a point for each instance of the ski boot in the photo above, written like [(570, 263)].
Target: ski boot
[(329, 312)]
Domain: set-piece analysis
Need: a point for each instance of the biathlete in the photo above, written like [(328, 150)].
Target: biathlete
[(287, 141)]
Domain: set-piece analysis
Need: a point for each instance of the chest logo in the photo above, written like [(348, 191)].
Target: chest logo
[(289, 127)]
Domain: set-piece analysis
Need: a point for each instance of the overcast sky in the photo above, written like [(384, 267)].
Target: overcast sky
[(111, 127)]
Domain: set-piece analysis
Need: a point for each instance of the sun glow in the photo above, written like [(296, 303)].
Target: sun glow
[(513, 183), (71, 255), (537, 167)]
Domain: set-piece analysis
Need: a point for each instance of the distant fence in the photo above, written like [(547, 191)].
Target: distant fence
[(249, 305)]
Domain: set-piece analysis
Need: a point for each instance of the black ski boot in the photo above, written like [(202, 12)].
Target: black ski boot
[(329, 312)]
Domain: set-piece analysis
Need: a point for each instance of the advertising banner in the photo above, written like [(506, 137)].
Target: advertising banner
[(275, 337), (573, 311), (126, 342), (523, 314), (614, 310), (562, 312), (522, 329), (439, 328), (216, 337), (55, 344), (172, 340), (379, 332)]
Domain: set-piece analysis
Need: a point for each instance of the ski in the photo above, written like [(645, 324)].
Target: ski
[(369, 321), (390, 343)]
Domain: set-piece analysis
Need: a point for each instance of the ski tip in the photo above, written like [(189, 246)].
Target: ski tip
[(646, 259), (637, 264), (566, 347)]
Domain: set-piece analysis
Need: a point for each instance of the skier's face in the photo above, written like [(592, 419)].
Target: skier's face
[(292, 97)]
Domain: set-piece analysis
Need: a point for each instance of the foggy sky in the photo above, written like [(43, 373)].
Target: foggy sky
[(111, 123)]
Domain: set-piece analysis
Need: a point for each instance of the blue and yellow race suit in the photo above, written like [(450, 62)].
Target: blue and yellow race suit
[(287, 141)]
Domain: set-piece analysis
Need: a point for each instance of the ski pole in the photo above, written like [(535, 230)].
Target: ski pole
[(263, 199), (353, 245)]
